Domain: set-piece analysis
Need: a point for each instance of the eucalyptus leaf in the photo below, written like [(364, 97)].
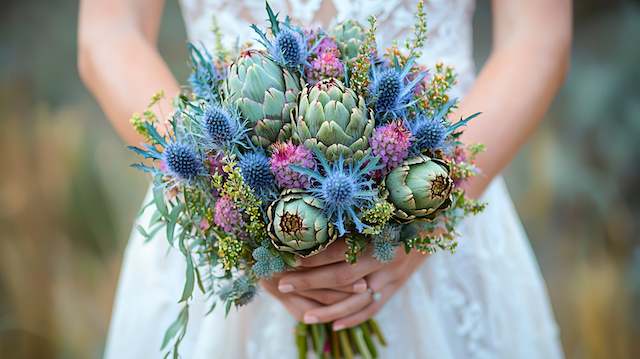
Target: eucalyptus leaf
[(172, 220), (179, 324), (190, 276), (199, 280), (142, 167), (158, 199)]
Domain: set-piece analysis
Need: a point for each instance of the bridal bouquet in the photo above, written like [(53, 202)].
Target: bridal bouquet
[(316, 136)]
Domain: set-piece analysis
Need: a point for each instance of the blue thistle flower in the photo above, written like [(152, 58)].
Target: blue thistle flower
[(390, 92), (223, 128), (431, 132), (289, 46), (205, 76), (343, 188), (182, 161), (385, 244), (256, 172)]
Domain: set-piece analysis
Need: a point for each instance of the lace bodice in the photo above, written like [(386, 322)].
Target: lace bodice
[(449, 22)]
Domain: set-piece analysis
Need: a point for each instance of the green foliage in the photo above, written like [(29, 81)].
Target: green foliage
[(419, 32), (377, 216), (359, 71)]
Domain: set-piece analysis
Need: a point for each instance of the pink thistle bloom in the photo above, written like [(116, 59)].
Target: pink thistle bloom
[(326, 65), (285, 154), (228, 217), (327, 45), (391, 144)]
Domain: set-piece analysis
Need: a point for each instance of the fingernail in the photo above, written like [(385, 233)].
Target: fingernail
[(285, 288), (337, 327), (310, 319), (360, 287)]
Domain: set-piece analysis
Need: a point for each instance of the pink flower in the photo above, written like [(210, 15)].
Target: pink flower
[(326, 65), (390, 143), (286, 154), (228, 217)]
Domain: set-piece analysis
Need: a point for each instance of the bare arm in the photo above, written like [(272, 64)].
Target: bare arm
[(528, 63), (118, 60)]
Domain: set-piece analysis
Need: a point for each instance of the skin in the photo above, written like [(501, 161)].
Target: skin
[(119, 63)]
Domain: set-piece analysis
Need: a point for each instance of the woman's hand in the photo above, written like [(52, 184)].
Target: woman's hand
[(300, 302), (329, 270)]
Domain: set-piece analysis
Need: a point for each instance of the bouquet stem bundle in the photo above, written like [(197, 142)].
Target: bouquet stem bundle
[(346, 343)]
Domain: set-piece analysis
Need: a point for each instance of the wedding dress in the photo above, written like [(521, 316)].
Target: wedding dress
[(488, 300)]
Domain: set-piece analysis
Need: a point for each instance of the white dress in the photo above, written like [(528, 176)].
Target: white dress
[(486, 301)]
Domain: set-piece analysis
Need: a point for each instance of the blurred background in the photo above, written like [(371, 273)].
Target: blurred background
[(67, 197)]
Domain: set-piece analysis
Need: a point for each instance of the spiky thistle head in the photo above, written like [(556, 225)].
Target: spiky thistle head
[(429, 133), (288, 47), (220, 125), (256, 172), (285, 154), (385, 243), (205, 76), (391, 92), (182, 161), (343, 188), (390, 143)]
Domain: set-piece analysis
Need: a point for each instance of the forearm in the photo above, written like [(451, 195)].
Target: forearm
[(119, 63), (513, 92)]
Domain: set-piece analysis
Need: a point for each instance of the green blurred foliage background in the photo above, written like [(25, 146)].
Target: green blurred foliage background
[(67, 197)]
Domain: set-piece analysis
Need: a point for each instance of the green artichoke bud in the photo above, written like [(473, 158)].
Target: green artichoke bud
[(333, 119), (265, 94), (349, 36), (419, 188), (298, 225)]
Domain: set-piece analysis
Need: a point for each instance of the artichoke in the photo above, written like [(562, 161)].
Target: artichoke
[(349, 36), (419, 188), (298, 225), (333, 119), (265, 94)]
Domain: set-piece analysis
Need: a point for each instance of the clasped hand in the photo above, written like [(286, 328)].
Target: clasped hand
[(324, 288)]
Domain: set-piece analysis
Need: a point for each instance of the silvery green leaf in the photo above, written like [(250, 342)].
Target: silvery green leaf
[(190, 276), (179, 325)]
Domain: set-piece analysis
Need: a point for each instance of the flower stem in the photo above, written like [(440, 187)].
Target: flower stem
[(356, 337), (335, 345), (346, 345), (301, 340), (367, 338), (376, 330)]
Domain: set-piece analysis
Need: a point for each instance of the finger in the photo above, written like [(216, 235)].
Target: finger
[(368, 312), (324, 296), (347, 307), (359, 286), (329, 276), (297, 305), (333, 254)]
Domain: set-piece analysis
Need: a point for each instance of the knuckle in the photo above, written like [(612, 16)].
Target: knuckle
[(343, 277)]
